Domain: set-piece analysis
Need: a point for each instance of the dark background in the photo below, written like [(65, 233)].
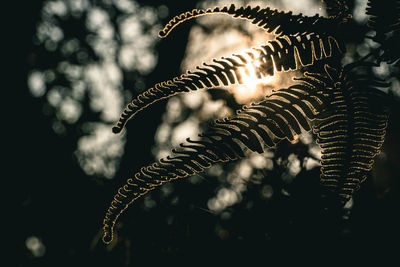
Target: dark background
[(57, 202)]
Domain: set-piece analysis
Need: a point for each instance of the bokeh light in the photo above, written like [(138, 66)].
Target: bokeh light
[(89, 76)]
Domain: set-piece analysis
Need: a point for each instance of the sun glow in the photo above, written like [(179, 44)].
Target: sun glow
[(252, 78)]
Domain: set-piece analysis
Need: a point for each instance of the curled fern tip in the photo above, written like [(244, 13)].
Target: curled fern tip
[(107, 238), (162, 34), (116, 129)]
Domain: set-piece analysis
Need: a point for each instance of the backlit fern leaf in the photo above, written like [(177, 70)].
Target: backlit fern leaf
[(351, 135), (348, 118), (283, 23), (281, 115), (283, 54), (347, 112)]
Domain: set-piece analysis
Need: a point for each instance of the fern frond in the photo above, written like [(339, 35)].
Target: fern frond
[(351, 135), (346, 112), (283, 54), (283, 23), (281, 115)]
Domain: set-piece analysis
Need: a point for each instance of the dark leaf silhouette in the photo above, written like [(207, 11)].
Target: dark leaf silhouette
[(272, 20), (384, 18), (281, 115), (283, 54), (346, 110), (337, 9), (351, 135)]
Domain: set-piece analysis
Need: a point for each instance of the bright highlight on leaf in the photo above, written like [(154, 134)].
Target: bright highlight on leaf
[(252, 78)]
